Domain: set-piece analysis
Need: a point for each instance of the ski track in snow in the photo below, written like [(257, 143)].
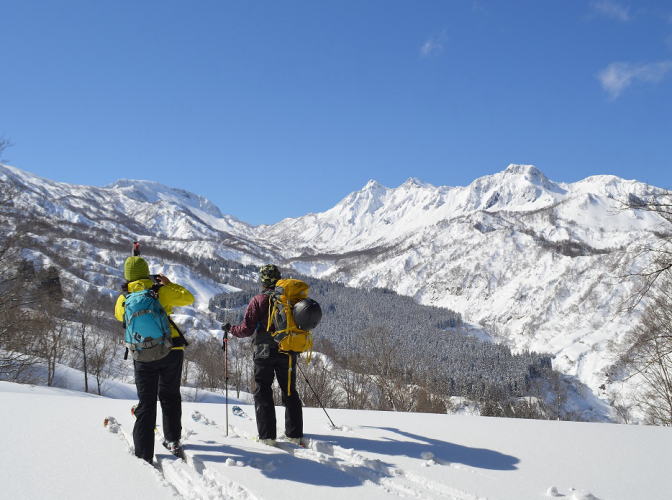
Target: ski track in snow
[(391, 479), (194, 480), (113, 426), (190, 479)]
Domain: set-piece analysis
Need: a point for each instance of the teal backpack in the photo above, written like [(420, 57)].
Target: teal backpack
[(147, 326)]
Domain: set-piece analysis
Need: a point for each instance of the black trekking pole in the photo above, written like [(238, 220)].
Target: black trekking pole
[(333, 426)]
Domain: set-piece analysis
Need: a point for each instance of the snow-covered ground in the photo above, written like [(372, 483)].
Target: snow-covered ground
[(55, 446)]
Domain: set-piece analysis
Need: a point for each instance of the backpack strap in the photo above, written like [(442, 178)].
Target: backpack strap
[(179, 332), (123, 323), (271, 309), (289, 374)]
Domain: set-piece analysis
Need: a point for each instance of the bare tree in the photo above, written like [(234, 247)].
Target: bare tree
[(19, 302), (240, 362), (83, 327), (646, 351), (648, 354), (321, 379), (428, 402), (51, 344), (209, 359), (392, 373), (355, 385), (103, 352), (89, 312), (659, 256), (4, 144)]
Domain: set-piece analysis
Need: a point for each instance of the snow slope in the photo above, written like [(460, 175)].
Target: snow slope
[(56, 447)]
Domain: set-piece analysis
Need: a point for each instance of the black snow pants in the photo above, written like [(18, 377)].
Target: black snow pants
[(157, 378), (276, 365)]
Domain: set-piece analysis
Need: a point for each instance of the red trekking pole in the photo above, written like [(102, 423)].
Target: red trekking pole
[(226, 375)]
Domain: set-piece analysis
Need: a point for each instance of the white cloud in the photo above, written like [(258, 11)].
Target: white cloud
[(433, 46), (611, 9), (618, 76)]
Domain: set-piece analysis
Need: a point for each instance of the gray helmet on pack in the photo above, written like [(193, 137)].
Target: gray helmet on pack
[(307, 314), (269, 275)]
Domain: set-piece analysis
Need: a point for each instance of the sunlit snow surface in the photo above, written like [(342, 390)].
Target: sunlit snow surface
[(55, 446)]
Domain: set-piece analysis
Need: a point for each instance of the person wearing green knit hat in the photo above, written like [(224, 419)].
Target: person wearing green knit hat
[(136, 268), (159, 378)]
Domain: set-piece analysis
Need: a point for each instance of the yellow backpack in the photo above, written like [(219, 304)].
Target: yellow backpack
[(287, 334)]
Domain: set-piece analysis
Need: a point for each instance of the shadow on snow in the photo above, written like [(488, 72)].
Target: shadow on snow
[(444, 452), (277, 465)]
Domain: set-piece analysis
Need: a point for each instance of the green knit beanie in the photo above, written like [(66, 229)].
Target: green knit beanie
[(135, 268)]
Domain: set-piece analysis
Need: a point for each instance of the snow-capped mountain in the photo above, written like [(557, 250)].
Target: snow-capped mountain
[(535, 262)]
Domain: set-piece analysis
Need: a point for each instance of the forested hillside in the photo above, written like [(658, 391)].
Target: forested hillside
[(410, 356)]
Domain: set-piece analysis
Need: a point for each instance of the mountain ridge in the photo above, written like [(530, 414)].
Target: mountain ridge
[(533, 261)]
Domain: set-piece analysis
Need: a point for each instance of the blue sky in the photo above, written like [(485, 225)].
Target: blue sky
[(274, 109)]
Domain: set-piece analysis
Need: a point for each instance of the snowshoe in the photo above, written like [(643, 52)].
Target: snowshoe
[(302, 442), (175, 447), (238, 412)]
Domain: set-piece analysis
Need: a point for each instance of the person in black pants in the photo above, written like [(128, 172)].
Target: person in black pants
[(269, 363), (160, 378)]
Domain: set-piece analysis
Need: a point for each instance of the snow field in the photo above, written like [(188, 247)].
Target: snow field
[(57, 447)]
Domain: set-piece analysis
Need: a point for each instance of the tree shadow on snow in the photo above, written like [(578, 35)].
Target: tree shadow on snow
[(444, 452), (276, 465)]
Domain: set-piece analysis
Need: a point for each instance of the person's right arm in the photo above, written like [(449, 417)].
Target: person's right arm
[(252, 318)]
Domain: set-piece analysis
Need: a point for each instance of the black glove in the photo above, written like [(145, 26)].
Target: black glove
[(226, 327)]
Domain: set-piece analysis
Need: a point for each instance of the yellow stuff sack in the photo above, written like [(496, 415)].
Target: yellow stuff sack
[(281, 302)]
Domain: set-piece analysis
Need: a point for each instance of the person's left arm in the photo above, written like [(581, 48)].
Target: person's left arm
[(174, 295), (119, 308)]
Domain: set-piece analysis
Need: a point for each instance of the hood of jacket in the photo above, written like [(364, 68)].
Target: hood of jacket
[(140, 285)]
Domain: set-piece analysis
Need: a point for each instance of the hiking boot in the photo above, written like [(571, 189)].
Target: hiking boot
[(175, 447), (268, 442)]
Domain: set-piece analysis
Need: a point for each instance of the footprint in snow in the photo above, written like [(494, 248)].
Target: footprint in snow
[(197, 416), (573, 492)]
